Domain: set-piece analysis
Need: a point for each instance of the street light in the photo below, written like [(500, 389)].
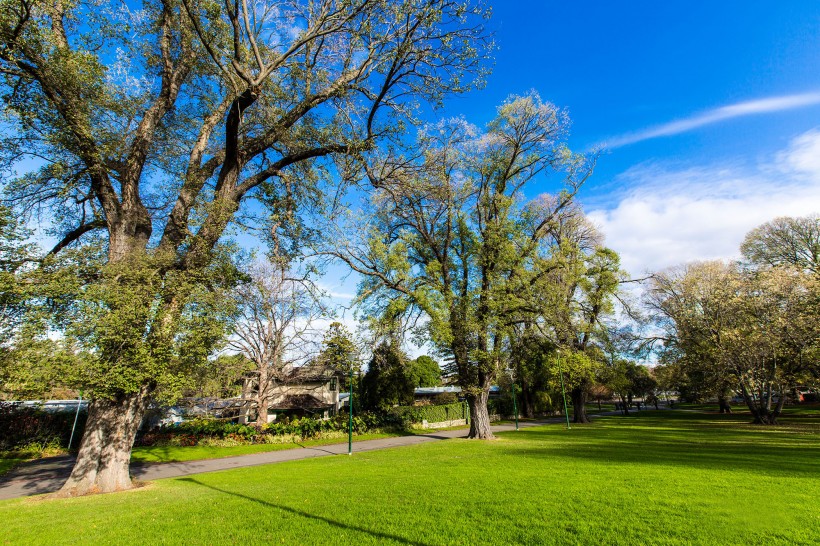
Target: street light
[(76, 415), (350, 421), (563, 392), (515, 405)]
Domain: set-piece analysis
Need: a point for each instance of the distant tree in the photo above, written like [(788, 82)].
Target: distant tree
[(600, 392), (339, 351), (756, 331), (642, 383), (424, 372), (223, 376), (387, 382), (785, 241), (275, 327)]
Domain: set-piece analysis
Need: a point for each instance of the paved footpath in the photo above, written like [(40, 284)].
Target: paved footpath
[(48, 475)]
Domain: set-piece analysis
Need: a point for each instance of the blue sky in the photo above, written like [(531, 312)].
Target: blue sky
[(729, 91), (711, 111)]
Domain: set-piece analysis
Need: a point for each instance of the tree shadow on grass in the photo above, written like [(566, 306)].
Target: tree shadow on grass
[(334, 523), (759, 454)]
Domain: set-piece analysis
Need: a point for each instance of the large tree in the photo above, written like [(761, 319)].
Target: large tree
[(453, 238), (150, 129)]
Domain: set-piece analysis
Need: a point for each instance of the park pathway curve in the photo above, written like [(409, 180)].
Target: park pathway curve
[(48, 475)]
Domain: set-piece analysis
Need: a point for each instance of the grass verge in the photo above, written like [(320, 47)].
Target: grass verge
[(172, 454)]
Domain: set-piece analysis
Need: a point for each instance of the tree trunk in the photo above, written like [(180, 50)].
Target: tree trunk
[(761, 410), (262, 412), (479, 416), (262, 397), (723, 404), (624, 407), (579, 410), (526, 402), (105, 449)]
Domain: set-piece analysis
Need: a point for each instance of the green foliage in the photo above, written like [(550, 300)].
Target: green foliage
[(28, 429), (432, 414), (579, 370), (117, 334), (221, 377), (424, 372), (785, 241), (387, 382), (728, 327), (455, 238), (206, 431), (338, 350)]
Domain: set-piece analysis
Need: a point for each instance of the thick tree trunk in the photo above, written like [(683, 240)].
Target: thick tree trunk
[(262, 411), (105, 449), (479, 416), (579, 410), (262, 398)]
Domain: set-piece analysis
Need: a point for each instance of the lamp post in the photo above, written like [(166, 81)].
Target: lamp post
[(76, 415), (563, 392), (515, 407), (515, 404), (350, 420)]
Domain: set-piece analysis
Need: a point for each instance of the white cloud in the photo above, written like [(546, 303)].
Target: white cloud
[(670, 216), (759, 106)]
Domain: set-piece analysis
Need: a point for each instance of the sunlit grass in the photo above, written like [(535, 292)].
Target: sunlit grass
[(168, 454), (652, 478)]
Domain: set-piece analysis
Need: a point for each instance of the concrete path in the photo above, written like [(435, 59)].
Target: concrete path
[(48, 475)]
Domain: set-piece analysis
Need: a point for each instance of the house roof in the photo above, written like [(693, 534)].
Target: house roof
[(300, 401), (308, 374)]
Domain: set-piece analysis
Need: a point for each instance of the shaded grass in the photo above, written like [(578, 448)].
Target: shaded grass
[(10, 459), (7, 463), (170, 454), (653, 478)]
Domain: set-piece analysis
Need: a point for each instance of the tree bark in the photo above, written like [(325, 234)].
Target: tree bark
[(105, 450), (624, 406), (479, 415), (579, 410)]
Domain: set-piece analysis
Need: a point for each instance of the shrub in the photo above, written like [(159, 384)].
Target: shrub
[(21, 426)]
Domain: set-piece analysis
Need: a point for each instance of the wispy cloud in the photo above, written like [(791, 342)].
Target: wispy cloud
[(672, 215), (740, 109)]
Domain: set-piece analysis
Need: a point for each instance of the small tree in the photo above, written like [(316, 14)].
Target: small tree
[(275, 327), (424, 372), (387, 382)]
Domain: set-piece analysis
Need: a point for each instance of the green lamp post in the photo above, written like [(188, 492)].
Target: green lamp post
[(563, 392), (350, 420)]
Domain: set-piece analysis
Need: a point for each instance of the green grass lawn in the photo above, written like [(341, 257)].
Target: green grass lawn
[(170, 454), (651, 478)]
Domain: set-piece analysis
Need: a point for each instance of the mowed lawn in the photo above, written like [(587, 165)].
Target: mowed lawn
[(655, 478)]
